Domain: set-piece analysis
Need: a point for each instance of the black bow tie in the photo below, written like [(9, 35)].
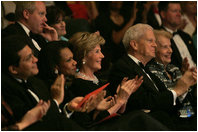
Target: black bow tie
[(174, 33), (146, 69), (141, 65), (32, 35)]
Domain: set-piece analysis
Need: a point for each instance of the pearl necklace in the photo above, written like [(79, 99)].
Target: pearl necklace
[(94, 80)]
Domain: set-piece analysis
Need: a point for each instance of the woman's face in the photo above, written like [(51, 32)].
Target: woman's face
[(67, 64), (94, 58), (60, 26), (163, 50)]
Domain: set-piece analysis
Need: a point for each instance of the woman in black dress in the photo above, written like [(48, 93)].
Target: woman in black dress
[(87, 53)]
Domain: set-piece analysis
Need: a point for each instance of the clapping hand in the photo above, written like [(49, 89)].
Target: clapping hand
[(89, 104), (127, 87), (106, 103), (185, 65), (34, 114), (57, 89)]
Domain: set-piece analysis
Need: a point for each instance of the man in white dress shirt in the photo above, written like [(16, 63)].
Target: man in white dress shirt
[(181, 43)]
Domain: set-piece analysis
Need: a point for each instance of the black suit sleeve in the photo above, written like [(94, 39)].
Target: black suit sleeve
[(146, 97)]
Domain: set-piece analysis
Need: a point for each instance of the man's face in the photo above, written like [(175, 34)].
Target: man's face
[(163, 50), (146, 46), (27, 64), (37, 19), (172, 16)]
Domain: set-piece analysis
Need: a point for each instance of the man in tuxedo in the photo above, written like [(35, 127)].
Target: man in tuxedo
[(31, 23), (151, 97), (22, 91), (181, 43)]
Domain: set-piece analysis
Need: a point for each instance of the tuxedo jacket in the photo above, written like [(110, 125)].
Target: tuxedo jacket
[(146, 96), (16, 29), (152, 20), (20, 100), (176, 58)]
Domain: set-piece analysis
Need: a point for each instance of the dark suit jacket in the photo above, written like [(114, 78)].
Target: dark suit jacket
[(151, 19), (146, 97), (176, 58), (17, 29), (20, 100)]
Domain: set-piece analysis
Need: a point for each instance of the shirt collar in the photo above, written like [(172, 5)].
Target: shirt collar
[(25, 28), (169, 30), (20, 80), (134, 59)]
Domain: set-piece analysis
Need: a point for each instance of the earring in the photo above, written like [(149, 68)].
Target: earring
[(56, 71), (83, 62)]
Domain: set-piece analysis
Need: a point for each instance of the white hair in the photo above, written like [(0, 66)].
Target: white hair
[(135, 33)]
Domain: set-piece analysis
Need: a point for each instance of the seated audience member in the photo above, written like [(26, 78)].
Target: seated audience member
[(57, 58), (181, 43), (31, 23), (87, 52), (22, 91), (170, 75), (56, 19), (139, 42), (35, 114)]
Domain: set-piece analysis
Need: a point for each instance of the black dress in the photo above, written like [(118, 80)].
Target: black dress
[(135, 120)]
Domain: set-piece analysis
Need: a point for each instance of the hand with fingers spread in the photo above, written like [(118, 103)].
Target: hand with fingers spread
[(57, 89), (34, 114), (127, 87), (49, 33)]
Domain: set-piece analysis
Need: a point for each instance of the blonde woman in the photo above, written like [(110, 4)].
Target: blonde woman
[(87, 52)]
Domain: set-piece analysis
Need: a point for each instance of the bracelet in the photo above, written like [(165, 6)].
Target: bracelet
[(67, 112)]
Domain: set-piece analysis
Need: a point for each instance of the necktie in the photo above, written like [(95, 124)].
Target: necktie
[(174, 33)]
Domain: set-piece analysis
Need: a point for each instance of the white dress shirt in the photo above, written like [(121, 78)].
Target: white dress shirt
[(28, 33), (173, 92), (183, 50)]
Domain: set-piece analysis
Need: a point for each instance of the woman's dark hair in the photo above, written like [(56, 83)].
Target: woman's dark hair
[(49, 57), (53, 14)]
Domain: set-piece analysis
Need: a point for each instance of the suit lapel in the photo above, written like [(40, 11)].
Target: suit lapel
[(138, 70)]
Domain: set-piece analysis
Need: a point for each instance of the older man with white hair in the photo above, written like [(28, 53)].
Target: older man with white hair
[(140, 45)]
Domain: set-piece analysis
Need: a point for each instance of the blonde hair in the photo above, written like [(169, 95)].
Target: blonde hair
[(83, 43), (163, 33)]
